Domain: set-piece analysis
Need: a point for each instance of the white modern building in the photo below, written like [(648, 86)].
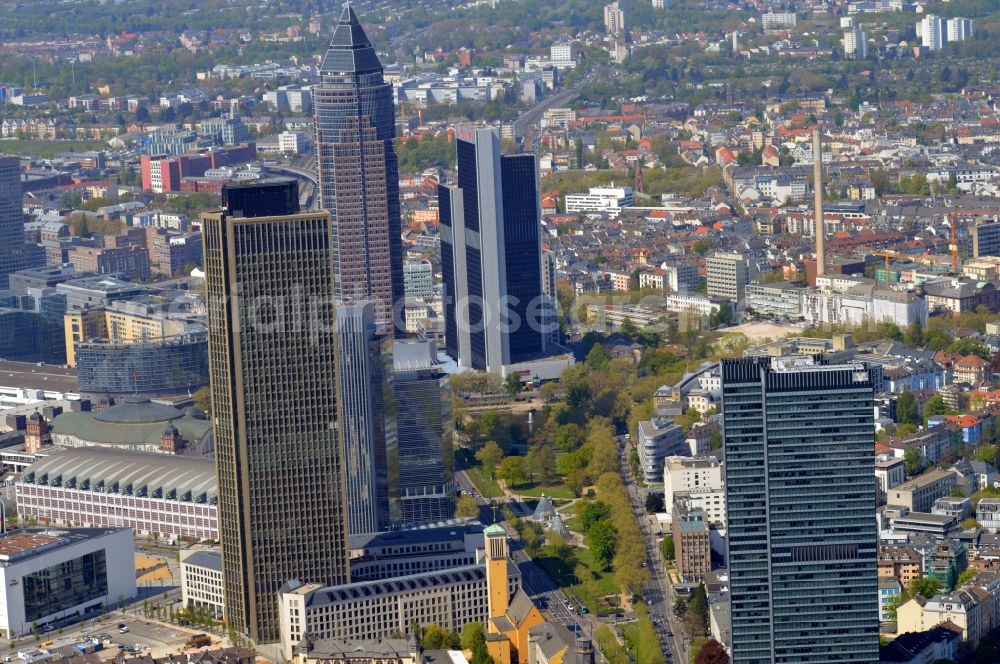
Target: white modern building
[(600, 199), (779, 20), (657, 439), (292, 142), (201, 580), (959, 29), (690, 302), (931, 32), (700, 479), (856, 43), (51, 575), (561, 55)]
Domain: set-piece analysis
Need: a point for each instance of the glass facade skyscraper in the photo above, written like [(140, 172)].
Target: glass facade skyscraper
[(494, 305), (424, 429), (359, 174), (11, 219), (272, 359), (800, 495), (366, 420)]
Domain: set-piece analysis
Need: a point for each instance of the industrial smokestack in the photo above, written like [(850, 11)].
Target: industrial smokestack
[(818, 186)]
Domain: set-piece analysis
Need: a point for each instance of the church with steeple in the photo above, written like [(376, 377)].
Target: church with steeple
[(510, 618)]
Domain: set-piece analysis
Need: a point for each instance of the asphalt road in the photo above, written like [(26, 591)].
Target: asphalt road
[(530, 117), (660, 594)]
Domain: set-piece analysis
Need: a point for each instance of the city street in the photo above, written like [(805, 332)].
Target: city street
[(660, 595)]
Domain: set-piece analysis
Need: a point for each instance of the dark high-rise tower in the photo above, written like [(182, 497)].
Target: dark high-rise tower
[(800, 493), (358, 173), (495, 309), (424, 428), (272, 353), (11, 219), (367, 421)]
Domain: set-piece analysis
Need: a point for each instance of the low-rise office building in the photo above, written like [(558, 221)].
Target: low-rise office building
[(919, 494), (700, 481), (450, 598), (384, 556), (51, 575), (201, 580)]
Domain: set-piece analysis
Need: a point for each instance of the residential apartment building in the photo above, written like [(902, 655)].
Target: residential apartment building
[(902, 563), (968, 609), (779, 20), (700, 481), (959, 29), (728, 276), (931, 31), (988, 514), (692, 542), (129, 261), (856, 43), (777, 411), (919, 494), (614, 20)]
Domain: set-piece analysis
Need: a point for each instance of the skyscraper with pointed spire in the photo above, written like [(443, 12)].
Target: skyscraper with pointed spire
[(359, 174)]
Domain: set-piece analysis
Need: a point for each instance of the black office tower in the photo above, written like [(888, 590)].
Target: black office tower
[(495, 309)]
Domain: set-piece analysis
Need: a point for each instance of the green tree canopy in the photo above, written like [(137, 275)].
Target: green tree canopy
[(602, 538)]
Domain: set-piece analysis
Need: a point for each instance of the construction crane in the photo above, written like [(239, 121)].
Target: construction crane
[(887, 255)]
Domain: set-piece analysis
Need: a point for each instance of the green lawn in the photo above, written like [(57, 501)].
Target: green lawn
[(487, 486), (49, 149), (557, 491), (589, 591), (641, 639), (573, 522)]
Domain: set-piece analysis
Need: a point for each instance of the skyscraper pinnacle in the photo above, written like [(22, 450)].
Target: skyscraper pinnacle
[(350, 50)]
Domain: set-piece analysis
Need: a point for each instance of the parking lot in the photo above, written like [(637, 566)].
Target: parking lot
[(142, 637)]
